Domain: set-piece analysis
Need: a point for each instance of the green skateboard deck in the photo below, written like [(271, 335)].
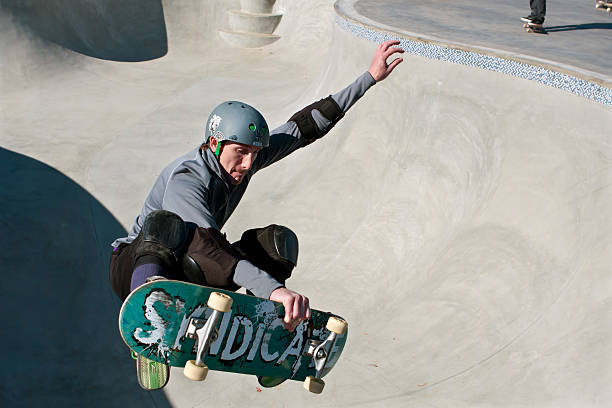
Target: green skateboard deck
[(157, 321)]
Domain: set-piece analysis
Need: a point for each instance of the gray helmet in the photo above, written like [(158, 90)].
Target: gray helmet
[(238, 122)]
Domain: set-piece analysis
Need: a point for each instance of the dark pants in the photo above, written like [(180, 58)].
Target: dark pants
[(538, 9), (214, 258)]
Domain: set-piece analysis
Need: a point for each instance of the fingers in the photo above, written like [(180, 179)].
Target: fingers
[(308, 315), (297, 307), (379, 67), (385, 45), (394, 64), (387, 50), (301, 308)]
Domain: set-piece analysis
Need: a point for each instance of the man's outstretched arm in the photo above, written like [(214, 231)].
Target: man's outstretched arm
[(316, 120)]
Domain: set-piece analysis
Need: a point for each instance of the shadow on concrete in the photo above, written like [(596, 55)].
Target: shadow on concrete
[(107, 29), (576, 27), (60, 336)]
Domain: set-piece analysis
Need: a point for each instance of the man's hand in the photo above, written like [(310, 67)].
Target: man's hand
[(297, 307), (379, 69)]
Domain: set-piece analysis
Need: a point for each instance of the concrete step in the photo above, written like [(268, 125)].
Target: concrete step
[(257, 6), (247, 39), (243, 21)]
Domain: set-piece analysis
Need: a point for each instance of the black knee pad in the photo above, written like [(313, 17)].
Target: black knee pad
[(281, 243), (164, 235), (273, 248), (192, 271)]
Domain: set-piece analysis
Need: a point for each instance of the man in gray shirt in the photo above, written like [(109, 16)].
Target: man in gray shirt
[(177, 234)]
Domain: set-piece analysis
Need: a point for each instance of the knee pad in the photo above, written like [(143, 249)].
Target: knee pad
[(281, 243), (192, 271), (273, 248), (164, 235)]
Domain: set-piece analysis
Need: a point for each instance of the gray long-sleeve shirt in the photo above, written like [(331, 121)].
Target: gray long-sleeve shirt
[(193, 185)]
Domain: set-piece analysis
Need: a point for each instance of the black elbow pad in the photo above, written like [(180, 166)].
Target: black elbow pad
[(306, 123)]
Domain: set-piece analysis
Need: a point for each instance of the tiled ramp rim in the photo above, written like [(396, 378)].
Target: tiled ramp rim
[(578, 86)]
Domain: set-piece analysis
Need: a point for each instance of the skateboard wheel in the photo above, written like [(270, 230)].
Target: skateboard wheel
[(314, 385), (195, 372), (336, 325), (219, 301)]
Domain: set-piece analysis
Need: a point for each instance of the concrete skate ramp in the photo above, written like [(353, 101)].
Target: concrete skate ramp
[(458, 218), (108, 29)]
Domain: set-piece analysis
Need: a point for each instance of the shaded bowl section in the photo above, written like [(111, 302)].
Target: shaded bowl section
[(114, 30), (60, 327)]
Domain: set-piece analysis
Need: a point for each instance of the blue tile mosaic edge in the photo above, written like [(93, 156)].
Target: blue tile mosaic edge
[(544, 76)]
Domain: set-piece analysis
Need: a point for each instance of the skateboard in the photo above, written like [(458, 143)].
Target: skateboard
[(201, 328), (151, 374), (604, 6), (534, 28)]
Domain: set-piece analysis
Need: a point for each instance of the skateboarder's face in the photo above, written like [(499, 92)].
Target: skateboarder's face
[(237, 159)]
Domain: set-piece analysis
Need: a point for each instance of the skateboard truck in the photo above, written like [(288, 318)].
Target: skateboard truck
[(205, 330), (320, 352)]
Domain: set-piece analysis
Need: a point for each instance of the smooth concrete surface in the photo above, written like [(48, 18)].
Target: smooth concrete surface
[(462, 229), (576, 33)]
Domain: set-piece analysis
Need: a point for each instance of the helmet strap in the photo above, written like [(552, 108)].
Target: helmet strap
[(218, 150)]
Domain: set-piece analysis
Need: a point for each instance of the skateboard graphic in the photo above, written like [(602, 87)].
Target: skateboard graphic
[(201, 328), (604, 6)]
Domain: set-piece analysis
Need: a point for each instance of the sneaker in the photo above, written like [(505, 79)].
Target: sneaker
[(527, 19), (151, 374)]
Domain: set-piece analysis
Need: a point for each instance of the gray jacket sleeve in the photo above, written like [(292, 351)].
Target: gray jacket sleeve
[(352, 93), (254, 279)]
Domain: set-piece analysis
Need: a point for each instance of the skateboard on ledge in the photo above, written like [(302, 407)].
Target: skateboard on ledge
[(173, 323)]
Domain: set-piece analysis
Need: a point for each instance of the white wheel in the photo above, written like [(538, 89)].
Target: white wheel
[(195, 372), (336, 325), (314, 385), (219, 301)]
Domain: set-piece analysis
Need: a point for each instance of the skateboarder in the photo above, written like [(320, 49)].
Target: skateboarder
[(177, 234), (538, 12)]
